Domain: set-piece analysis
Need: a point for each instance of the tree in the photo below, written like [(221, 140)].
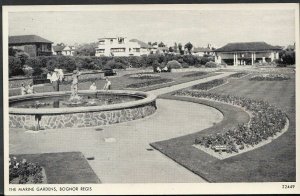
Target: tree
[(175, 47), (171, 49), (180, 49), (86, 50), (149, 43), (161, 44), (287, 57), (189, 47)]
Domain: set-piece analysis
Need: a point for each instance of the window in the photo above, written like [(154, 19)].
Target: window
[(117, 49), (111, 41), (136, 49), (120, 40), (100, 50), (101, 42), (44, 48)]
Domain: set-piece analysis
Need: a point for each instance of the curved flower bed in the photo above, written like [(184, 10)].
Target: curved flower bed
[(23, 172), (209, 85), (149, 83), (144, 76), (238, 75), (196, 74), (270, 77), (266, 121)]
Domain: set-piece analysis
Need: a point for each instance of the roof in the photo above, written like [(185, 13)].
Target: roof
[(202, 49), (58, 48), (23, 39), (247, 46), (142, 44)]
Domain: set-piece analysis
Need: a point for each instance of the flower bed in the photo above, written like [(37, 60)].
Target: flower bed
[(238, 75), (196, 74), (149, 83), (209, 85), (266, 121), (23, 172), (270, 77), (143, 76)]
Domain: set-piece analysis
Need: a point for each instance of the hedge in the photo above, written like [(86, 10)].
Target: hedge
[(69, 63)]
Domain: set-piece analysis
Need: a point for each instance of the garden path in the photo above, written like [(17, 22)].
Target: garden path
[(122, 152)]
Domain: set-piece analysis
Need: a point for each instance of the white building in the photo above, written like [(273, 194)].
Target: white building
[(121, 46), (246, 53)]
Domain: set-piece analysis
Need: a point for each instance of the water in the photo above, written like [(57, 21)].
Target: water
[(63, 101)]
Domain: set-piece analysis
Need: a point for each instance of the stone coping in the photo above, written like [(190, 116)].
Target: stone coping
[(148, 98)]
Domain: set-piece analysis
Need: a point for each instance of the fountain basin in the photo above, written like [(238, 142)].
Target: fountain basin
[(143, 105)]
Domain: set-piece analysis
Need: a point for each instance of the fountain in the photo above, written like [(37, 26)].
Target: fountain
[(86, 108)]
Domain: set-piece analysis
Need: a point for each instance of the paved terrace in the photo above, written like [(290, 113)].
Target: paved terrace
[(122, 152)]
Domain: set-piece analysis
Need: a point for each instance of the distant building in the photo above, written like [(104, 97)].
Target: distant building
[(64, 50), (120, 46), (201, 51), (33, 45), (246, 53)]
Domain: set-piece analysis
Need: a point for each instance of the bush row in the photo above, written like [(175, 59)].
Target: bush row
[(149, 83), (238, 75), (270, 77), (69, 63), (209, 85), (196, 74), (266, 121)]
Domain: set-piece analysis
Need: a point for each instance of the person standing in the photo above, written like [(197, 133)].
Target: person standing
[(93, 87), (74, 86), (107, 85), (54, 81), (30, 89), (23, 89)]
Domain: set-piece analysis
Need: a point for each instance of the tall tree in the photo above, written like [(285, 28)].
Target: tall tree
[(161, 44), (175, 47), (189, 47), (180, 48), (171, 49)]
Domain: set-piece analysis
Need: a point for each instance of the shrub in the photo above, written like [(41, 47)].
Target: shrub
[(36, 65), (238, 75), (270, 77), (51, 65), (24, 171), (115, 65), (143, 76), (174, 64), (23, 57), (211, 64), (185, 65), (15, 66), (68, 63), (204, 60)]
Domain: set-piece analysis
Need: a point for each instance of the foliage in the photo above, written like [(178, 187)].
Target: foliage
[(15, 66), (86, 50), (270, 77), (209, 85), (211, 64), (188, 46), (181, 51), (24, 171), (143, 76), (287, 57), (266, 121), (23, 57), (174, 64), (36, 65), (51, 65)]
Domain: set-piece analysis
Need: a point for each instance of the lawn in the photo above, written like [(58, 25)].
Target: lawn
[(63, 168), (274, 162), (123, 81)]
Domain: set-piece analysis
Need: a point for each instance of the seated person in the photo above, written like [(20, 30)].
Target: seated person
[(158, 69), (30, 89), (93, 87)]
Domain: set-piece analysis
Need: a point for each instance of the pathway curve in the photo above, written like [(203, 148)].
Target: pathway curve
[(121, 152)]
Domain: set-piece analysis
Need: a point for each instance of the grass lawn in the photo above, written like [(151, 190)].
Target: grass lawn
[(274, 162), (63, 168), (119, 83)]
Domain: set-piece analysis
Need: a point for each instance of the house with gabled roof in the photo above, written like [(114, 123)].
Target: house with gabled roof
[(33, 45), (246, 53)]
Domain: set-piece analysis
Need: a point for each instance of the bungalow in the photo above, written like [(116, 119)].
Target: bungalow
[(246, 53), (145, 49), (33, 45)]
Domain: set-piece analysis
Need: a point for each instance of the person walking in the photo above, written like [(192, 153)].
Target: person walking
[(54, 81)]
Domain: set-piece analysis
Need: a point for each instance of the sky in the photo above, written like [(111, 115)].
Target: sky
[(200, 27)]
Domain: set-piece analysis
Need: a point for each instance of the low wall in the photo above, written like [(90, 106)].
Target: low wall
[(16, 82), (52, 118), (85, 75)]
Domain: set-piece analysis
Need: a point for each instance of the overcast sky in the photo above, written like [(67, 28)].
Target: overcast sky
[(276, 27)]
